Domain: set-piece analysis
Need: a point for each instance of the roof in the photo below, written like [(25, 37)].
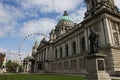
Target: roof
[(30, 58), (65, 17), (2, 57)]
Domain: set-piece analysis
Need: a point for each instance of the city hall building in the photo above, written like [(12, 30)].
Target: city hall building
[(69, 42)]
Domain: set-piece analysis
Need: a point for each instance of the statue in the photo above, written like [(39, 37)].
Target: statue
[(93, 42)]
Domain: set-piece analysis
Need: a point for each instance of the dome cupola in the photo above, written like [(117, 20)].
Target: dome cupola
[(65, 17), (65, 23)]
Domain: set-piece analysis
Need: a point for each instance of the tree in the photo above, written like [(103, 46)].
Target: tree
[(11, 66), (0, 64)]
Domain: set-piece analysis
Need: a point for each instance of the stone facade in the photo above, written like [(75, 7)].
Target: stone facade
[(69, 42)]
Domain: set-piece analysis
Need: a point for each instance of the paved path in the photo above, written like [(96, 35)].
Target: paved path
[(116, 78)]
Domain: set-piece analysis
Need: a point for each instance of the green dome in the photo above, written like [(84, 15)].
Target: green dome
[(30, 58), (66, 18)]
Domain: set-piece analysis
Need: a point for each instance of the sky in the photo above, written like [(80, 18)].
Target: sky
[(20, 18)]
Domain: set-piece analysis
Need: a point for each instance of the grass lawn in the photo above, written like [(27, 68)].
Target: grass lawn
[(39, 77)]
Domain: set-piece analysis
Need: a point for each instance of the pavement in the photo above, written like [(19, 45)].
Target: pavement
[(116, 78)]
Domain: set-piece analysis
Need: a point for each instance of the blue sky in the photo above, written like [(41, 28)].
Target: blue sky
[(18, 18)]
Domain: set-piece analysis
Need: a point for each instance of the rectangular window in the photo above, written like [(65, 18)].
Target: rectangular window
[(74, 63), (66, 65), (60, 52), (60, 65), (66, 50), (82, 43), (71, 64), (74, 48), (82, 63), (56, 54)]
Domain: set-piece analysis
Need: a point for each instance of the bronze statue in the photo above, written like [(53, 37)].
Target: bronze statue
[(93, 42)]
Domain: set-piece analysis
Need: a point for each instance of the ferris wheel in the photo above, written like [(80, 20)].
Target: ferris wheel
[(21, 44)]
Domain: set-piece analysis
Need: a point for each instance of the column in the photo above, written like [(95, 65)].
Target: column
[(86, 42), (70, 49), (43, 54), (88, 33), (111, 33), (58, 55), (78, 39), (63, 50), (46, 53), (78, 44), (102, 34), (118, 32), (88, 5), (107, 31)]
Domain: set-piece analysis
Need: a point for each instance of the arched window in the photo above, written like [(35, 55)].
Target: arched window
[(60, 52), (74, 48), (66, 50), (65, 65), (73, 64), (93, 3), (83, 43), (60, 65), (56, 54)]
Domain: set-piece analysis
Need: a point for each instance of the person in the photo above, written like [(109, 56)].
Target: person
[(93, 42)]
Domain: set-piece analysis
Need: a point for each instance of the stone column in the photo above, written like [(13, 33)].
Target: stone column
[(78, 44), (111, 31), (88, 33), (58, 55), (102, 36), (86, 42), (63, 50), (107, 31), (43, 55), (70, 48)]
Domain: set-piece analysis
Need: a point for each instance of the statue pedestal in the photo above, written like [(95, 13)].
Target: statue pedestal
[(96, 67)]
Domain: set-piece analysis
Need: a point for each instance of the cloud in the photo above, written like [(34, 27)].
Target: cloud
[(10, 54), (1, 34), (78, 15), (117, 3), (50, 5), (14, 55), (43, 25), (8, 18)]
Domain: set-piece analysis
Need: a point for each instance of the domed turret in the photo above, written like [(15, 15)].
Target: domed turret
[(29, 58), (65, 23), (34, 49), (52, 35), (65, 17)]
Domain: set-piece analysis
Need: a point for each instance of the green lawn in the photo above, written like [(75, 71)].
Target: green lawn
[(39, 77)]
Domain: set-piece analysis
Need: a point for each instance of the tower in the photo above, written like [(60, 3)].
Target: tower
[(34, 49), (52, 35), (65, 23), (103, 17)]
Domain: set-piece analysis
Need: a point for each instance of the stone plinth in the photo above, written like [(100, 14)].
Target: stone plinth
[(96, 67)]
